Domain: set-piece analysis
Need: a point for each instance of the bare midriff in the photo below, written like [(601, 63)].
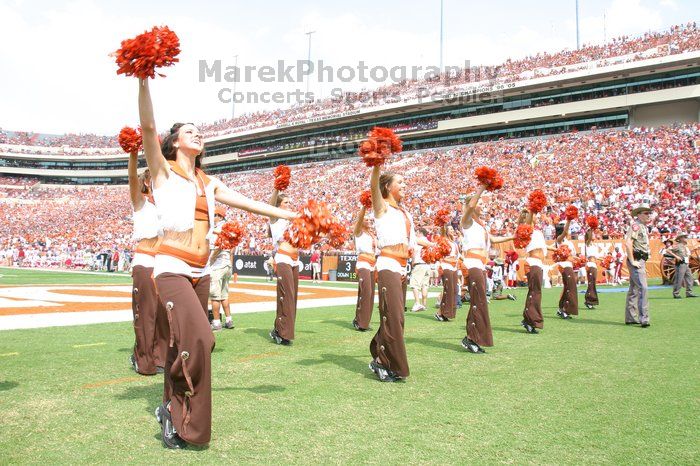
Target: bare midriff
[(288, 249), (148, 245), (536, 254), (192, 241)]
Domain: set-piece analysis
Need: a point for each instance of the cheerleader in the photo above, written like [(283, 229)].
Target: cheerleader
[(396, 238), (536, 251), (448, 303), (476, 243), (568, 301), (592, 252), (365, 246), (150, 321), (184, 198), (287, 266)]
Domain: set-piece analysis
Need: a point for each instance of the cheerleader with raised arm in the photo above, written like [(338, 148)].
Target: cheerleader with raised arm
[(365, 247), (565, 251)]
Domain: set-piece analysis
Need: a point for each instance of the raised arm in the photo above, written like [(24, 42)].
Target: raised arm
[(468, 207), (358, 223), (378, 204), (229, 197), (134, 188), (151, 147), (564, 233), (273, 202)]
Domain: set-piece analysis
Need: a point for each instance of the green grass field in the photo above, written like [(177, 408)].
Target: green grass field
[(590, 390)]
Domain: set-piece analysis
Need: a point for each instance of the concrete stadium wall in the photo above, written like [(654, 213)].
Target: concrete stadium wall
[(666, 113)]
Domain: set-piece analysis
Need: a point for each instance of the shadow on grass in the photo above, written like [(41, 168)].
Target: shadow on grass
[(584, 320), (8, 385), (258, 389), (454, 345), (151, 394), (342, 323), (125, 350), (519, 329), (355, 364)]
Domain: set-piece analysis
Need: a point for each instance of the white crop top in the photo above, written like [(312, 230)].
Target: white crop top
[(146, 223), (475, 237), (364, 243), (277, 230), (592, 251), (391, 228), (537, 242), (175, 201), (571, 246)]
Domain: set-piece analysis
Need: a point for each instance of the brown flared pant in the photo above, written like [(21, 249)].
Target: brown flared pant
[(568, 302), (478, 321), (287, 291), (150, 322), (365, 297), (388, 345), (533, 303), (188, 365), (448, 305), (592, 292)]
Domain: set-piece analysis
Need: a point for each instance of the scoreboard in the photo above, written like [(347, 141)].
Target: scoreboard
[(346, 268)]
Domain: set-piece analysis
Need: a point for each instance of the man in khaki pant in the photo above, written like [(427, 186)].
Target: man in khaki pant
[(637, 248), (684, 277), (220, 262)]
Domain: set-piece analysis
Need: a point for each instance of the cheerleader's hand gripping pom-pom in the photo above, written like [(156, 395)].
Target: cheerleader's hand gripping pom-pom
[(381, 143), (442, 217), (130, 139), (140, 56), (489, 177), (313, 222), (537, 201), (230, 236), (592, 222), (523, 235), (338, 235), (282, 176), (571, 212), (366, 199), (561, 254)]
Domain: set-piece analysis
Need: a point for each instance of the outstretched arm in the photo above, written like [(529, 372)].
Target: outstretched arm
[(378, 204), (134, 188), (229, 197), (468, 208), (358, 223), (151, 147), (501, 239)]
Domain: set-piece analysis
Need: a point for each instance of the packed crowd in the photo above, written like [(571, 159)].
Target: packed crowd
[(602, 172), (677, 39)]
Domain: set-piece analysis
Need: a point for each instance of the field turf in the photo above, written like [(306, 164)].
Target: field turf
[(590, 390)]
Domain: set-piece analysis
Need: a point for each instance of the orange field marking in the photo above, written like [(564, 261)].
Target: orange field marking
[(96, 293)]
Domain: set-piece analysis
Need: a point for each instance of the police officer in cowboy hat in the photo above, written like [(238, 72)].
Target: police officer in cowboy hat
[(681, 253), (636, 246)]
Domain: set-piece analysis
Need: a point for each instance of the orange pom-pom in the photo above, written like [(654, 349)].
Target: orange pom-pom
[(537, 201), (314, 221), (382, 142), (523, 235), (442, 248), (338, 235), (592, 222), (140, 56), (130, 139), (561, 254), (230, 236), (571, 212), (578, 262), (442, 217), (282, 176), (490, 178), (366, 199), (606, 262)]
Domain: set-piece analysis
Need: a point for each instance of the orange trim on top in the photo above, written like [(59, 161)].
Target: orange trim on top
[(473, 255), (402, 260), (371, 259)]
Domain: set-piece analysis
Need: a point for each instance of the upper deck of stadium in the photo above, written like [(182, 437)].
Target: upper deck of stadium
[(651, 80)]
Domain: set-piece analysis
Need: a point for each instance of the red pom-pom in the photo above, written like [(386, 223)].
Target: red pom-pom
[(382, 142), (523, 235), (571, 212), (537, 201), (578, 262), (230, 236), (606, 262), (153, 49), (130, 139), (314, 221), (490, 178), (561, 254), (442, 217), (366, 199), (592, 222), (282, 175), (337, 235)]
